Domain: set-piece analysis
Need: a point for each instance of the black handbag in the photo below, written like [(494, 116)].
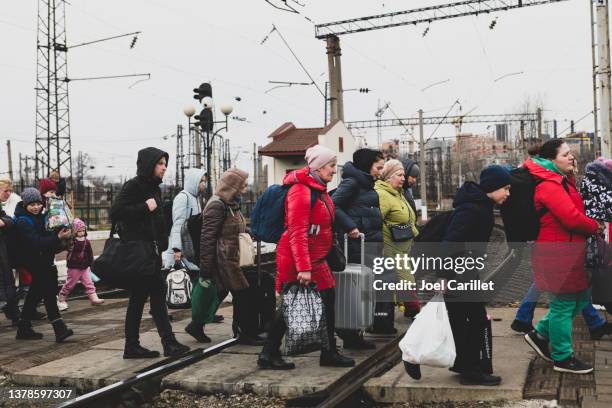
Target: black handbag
[(401, 232), (124, 264), (336, 258)]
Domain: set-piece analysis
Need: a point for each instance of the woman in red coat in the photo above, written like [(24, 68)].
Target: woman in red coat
[(558, 256), (302, 249)]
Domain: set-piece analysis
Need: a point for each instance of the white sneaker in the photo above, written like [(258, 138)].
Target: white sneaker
[(62, 305)]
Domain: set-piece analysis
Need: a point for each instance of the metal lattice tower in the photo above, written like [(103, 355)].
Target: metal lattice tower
[(53, 145)]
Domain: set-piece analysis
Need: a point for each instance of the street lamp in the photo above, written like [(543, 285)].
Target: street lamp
[(227, 109)]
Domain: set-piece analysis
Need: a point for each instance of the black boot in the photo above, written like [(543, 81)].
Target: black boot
[(61, 331), (358, 343), (413, 370), (11, 311), (173, 348), (25, 331), (599, 332), (197, 332), (273, 361), (331, 358), (476, 378), (135, 350), (254, 340)]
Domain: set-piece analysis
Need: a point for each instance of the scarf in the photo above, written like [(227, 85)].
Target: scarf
[(548, 165)]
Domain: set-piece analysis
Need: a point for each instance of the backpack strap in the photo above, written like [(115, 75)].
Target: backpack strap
[(544, 210)]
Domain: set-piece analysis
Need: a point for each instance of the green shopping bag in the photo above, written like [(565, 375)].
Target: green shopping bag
[(204, 301)]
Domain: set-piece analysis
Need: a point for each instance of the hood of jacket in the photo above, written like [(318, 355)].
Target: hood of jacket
[(229, 187), (471, 192), (303, 176), (384, 186), (365, 180), (192, 181), (542, 174), (601, 172), (407, 163), (147, 159)]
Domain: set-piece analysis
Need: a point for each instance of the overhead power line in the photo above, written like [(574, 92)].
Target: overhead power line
[(422, 15)]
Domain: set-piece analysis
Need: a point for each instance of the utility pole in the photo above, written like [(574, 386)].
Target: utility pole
[(336, 98), (255, 172), (20, 173), (539, 123), (603, 73), (422, 174), (555, 128), (10, 159), (198, 149), (596, 140)]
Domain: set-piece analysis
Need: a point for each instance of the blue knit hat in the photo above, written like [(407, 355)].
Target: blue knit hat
[(493, 178), (31, 195)]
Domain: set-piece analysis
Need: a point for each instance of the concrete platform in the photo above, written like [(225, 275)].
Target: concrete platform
[(511, 359)]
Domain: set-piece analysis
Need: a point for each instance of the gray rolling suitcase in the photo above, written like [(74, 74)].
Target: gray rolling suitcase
[(355, 296)]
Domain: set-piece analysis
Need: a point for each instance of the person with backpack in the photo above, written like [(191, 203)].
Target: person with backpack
[(37, 248), (358, 211), (138, 215), (469, 228), (398, 218), (559, 254), (222, 224), (186, 204), (596, 191), (11, 308), (302, 250)]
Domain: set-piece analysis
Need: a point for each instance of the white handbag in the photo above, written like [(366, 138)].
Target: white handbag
[(247, 249)]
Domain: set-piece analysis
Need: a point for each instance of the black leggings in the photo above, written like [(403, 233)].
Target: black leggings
[(153, 289), (43, 287), (278, 326)]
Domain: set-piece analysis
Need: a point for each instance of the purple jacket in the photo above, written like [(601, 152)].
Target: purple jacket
[(80, 256)]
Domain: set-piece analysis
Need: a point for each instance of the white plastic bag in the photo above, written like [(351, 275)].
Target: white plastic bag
[(429, 340)]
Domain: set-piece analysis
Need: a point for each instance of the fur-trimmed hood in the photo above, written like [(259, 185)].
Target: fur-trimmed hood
[(600, 173)]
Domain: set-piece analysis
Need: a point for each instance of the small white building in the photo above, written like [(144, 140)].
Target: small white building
[(286, 151)]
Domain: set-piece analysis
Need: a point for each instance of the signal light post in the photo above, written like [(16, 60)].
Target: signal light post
[(205, 121)]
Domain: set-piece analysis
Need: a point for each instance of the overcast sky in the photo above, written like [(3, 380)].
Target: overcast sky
[(187, 42)]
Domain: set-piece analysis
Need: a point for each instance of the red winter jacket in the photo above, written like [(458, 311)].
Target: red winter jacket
[(297, 251), (558, 256)]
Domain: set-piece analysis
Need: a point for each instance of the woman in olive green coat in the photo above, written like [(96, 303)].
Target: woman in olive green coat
[(395, 210)]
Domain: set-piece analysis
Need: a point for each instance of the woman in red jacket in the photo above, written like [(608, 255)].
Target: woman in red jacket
[(302, 249), (558, 256)]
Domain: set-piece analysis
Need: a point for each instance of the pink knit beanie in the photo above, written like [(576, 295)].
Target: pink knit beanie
[(318, 156)]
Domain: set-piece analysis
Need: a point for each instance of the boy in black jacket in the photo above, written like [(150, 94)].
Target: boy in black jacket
[(470, 228), (37, 249)]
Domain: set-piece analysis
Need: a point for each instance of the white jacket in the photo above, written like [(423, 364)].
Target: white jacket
[(185, 205), (9, 205)]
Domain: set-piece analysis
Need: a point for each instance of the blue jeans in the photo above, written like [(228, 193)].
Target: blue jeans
[(525, 311)]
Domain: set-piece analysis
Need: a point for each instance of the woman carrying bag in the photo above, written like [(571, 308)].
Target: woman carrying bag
[(222, 224), (138, 216), (302, 250), (399, 230)]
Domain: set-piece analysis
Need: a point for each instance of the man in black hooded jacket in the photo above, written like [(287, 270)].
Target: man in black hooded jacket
[(138, 215)]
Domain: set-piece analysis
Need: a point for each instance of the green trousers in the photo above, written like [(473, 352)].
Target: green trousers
[(556, 326)]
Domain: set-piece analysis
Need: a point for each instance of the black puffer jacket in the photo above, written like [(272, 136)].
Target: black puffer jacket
[(408, 164), (5, 268), (134, 220), (470, 226), (357, 206)]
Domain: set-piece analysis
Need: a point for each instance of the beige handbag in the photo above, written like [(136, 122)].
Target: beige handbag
[(247, 249)]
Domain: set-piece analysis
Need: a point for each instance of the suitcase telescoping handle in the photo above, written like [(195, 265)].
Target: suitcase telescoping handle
[(361, 245)]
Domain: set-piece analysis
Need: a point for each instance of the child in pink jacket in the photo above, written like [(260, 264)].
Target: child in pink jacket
[(78, 261)]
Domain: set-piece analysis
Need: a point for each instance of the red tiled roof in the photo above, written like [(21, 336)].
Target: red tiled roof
[(289, 140)]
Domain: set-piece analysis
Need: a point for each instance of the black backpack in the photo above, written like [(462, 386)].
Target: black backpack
[(194, 226), (435, 228), (521, 220)]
